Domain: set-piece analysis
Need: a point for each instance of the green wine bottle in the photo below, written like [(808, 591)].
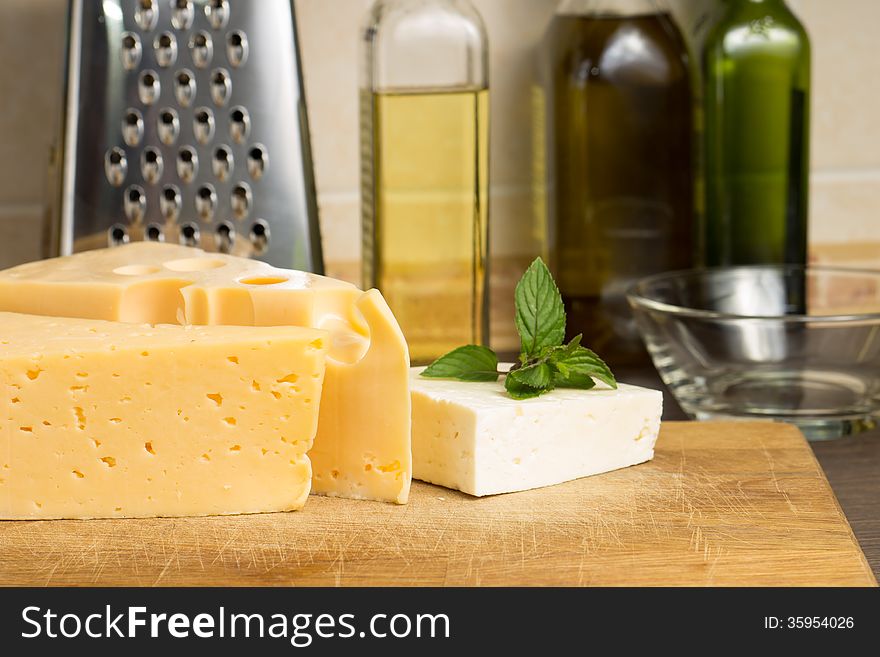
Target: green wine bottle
[(757, 96)]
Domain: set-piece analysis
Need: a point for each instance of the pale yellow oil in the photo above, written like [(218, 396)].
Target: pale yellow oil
[(425, 165)]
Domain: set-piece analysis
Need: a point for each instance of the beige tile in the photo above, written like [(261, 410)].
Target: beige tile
[(329, 41), (695, 18), (32, 42), (845, 139), (515, 29), (513, 229), (504, 273), (341, 235), (846, 86), (21, 234), (860, 255), (845, 208)]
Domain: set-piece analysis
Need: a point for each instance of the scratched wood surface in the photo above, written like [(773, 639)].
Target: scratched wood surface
[(721, 504)]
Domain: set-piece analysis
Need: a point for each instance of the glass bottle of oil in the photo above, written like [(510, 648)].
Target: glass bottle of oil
[(425, 168), (621, 108), (756, 63)]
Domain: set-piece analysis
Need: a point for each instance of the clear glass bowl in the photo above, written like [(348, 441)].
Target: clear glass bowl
[(792, 343)]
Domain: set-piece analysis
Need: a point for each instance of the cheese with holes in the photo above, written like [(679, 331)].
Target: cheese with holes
[(103, 419), (475, 438), (362, 449)]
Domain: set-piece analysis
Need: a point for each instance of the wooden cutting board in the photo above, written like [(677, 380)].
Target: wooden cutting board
[(721, 504)]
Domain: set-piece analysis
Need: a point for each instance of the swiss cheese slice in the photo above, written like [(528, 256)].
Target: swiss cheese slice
[(362, 449), (103, 419)]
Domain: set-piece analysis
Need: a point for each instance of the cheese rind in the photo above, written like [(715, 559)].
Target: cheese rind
[(475, 438), (103, 419), (362, 448)]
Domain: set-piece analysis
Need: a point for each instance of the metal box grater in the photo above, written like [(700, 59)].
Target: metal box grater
[(185, 121)]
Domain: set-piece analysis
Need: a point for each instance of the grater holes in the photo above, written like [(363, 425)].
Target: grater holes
[(132, 127), (236, 48), (241, 200), (170, 202), (151, 165), (206, 201), (257, 161), (201, 49), (203, 125), (239, 124), (154, 233), (135, 203), (131, 50), (182, 14), (115, 166), (149, 87), (117, 235), (184, 87), (217, 12), (221, 86), (189, 234), (222, 163), (168, 125), (225, 237), (259, 237), (187, 164), (165, 47), (146, 14)]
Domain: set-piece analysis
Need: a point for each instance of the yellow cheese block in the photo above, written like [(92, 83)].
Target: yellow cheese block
[(103, 419), (362, 449)]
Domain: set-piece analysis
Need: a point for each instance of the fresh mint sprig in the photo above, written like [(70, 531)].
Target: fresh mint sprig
[(540, 315), (545, 362), (469, 363)]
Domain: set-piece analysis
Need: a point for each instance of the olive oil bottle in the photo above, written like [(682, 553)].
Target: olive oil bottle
[(424, 171), (756, 64), (621, 105)]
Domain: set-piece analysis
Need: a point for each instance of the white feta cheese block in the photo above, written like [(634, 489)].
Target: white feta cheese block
[(473, 437)]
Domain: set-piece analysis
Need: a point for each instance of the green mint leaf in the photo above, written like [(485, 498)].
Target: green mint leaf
[(540, 315), (570, 348), (538, 375), (469, 363), (577, 365), (573, 379), (518, 390)]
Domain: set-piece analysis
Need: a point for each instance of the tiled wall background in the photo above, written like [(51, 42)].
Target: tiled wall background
[(845, 196)]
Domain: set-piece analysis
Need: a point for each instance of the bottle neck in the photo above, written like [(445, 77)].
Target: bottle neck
[(610, 7), (755, 7), (424, 44)]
